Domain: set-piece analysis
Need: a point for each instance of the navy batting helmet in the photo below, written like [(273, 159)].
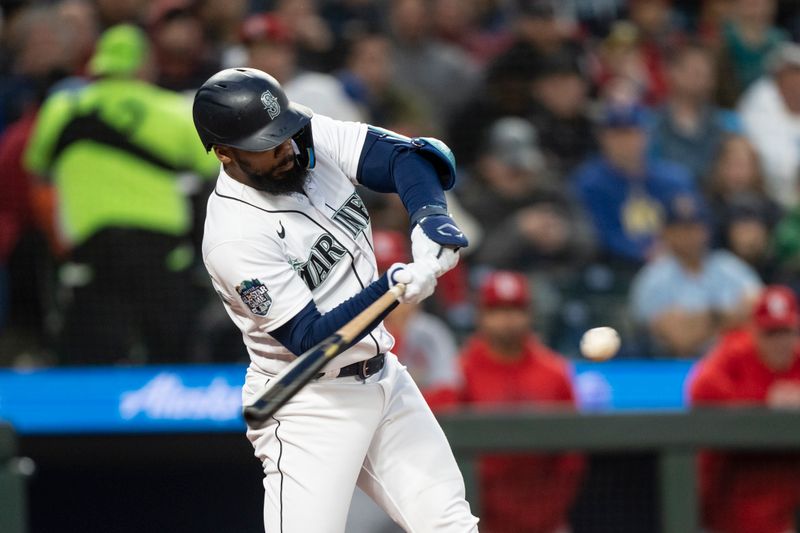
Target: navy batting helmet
[(246, 108)]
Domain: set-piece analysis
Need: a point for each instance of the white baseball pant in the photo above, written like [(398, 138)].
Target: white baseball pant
[(339, 432)]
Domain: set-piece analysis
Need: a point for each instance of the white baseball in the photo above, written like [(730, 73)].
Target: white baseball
[(600, 343)]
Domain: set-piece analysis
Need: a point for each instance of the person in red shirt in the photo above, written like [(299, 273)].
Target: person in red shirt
[(504, 363), (758, 365), (422, 341)]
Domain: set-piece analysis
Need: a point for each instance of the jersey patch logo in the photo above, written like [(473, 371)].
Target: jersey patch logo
[(325, 253), (255, 296), (271, 104), (353, 215)]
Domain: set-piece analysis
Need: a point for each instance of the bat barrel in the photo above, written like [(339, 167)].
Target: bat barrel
[(286, 384), (306, 367)]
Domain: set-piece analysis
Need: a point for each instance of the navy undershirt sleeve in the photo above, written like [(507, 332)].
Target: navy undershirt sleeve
[(309, 327), (390, 165)]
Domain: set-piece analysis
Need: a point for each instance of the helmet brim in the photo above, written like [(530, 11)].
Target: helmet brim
[(292, 120)]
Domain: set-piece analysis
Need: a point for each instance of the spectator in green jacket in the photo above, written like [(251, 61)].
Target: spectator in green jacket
[(118, 153)]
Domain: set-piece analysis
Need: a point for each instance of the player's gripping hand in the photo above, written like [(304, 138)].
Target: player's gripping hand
[(436, 240), (419, 279)]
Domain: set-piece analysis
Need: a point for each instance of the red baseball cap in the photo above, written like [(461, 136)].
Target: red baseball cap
[(390, 247), (776, 308), (265, 27), (505, 289)]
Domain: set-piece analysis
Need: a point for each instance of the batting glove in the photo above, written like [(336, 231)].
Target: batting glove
[(419, 279), (436, 240)]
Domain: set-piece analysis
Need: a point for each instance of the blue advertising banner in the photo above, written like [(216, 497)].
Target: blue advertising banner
[(208, 398), (115, 399)]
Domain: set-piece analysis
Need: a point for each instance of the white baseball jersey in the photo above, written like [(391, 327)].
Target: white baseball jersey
[(270, 255)]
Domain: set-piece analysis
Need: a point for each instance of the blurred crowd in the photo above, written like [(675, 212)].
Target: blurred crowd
[(636, 160), (630, 163)]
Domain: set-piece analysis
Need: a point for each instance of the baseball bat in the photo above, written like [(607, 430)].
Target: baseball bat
[(303, 369)]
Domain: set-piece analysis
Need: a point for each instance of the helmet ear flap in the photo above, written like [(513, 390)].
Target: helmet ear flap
[(303, 144)]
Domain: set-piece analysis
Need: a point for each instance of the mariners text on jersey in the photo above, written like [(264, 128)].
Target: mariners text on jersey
[(353, 215), (325, 253)]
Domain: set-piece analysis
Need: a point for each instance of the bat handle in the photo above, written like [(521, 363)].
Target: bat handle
[(398, 289)]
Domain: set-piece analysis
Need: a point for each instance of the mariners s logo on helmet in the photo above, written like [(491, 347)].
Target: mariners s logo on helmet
[(271, 104)]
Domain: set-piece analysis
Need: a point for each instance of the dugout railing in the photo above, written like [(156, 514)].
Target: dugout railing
[(674, 437), (12, 484)]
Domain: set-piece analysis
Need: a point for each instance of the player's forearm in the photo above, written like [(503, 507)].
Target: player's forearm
[(310, 327), (733, 318), (685, 334)]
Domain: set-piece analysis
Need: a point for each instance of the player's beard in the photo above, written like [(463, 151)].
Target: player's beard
[(272, 182)]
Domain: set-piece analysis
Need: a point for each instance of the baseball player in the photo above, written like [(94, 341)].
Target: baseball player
[(288, 245)]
